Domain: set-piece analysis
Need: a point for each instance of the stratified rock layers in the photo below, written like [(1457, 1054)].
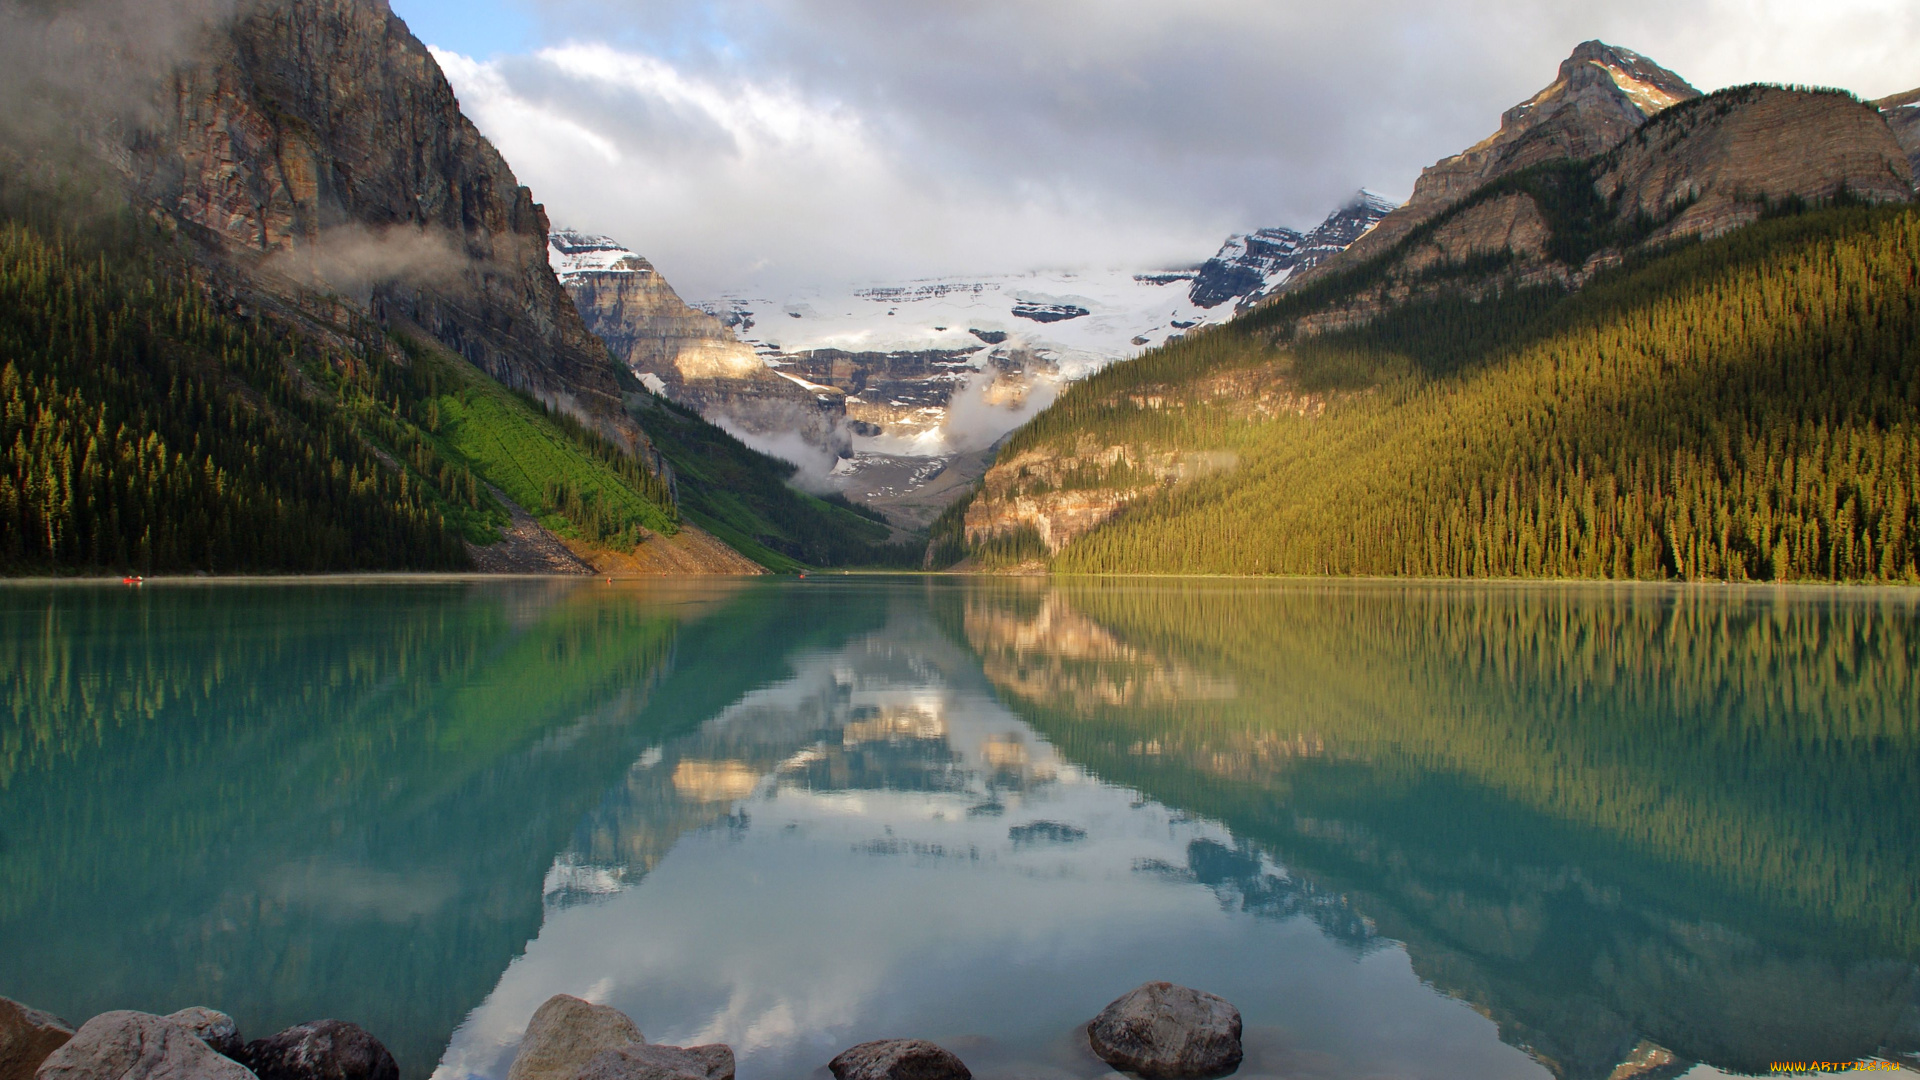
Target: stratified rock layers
[(1902, 112), (686, 354), (316, 142), (1601, 95)]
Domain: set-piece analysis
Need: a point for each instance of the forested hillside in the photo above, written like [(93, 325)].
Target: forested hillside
[(148, 430), (144, 431), (1744, 408)]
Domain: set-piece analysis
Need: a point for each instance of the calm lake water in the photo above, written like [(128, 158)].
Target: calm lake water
[(1410, 830)]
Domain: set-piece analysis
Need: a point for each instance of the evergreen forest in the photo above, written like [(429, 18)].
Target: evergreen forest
[(145, 431), (148, 428), (1745, 408)]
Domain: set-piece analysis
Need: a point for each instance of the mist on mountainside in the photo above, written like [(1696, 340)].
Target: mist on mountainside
[(92, 66)]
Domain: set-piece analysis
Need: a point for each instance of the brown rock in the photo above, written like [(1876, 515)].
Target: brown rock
[(1725, 153), (137, 1046), (1507, 223), (645, 1061), (1902, 112), (27, 1036), (317, 143), (320, 1050), (898, 1059), (1046, 491), (1161, 1030), (684, 353), (1601, 95), (212, 1027), (565, 1034)]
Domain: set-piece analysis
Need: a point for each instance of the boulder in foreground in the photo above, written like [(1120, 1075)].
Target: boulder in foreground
[(1163, 1031), (898, 1059), (646, 1061), (27, 1036), (565, 1034), (320, 1050), (213, 1027), (124, 1045)]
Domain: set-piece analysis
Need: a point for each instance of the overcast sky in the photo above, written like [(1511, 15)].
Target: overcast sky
[(763, 144)]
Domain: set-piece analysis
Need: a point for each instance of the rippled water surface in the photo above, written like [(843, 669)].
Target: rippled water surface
[(1411, 831)]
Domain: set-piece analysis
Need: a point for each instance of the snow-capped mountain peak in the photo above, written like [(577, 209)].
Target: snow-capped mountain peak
[(571, 252), (1250, 266)]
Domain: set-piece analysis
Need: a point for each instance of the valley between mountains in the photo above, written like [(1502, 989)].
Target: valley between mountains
[(274, 304)]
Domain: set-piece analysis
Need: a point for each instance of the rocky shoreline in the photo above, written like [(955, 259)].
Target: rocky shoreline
[(1158, 1031)]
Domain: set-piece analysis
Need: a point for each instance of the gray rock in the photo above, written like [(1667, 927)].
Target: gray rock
[(212, 1027), (1163, 1031), (27, 1036), (898, 1059), (565, 1034), (137, 1046), (320, 1050), (646, 1061)]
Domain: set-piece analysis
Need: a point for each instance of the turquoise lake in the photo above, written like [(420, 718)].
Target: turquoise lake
[(1410, 830)]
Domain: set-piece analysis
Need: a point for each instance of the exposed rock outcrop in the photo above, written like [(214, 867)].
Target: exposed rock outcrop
[(898, 1059), (684, 353), (27, 1036), (1602, 94), (1902, 112), (1700, 167), (315, 143), (124, 1045), (1061, 497), (1723, 157), (320, 1050), (566, 1033), (1160, 1030)]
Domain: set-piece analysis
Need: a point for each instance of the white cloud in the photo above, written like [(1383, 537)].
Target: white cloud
[(753, 144), (733, 182)]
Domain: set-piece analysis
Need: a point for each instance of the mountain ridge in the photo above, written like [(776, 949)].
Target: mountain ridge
[(1471, 280), (1250, 266), (1599, 96)]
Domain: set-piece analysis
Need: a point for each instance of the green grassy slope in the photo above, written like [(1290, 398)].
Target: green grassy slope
[(742, 496), (574, 481), (148, 428), (1746, 408)]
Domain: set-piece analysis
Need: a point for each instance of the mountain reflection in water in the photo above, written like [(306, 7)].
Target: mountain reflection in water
[(1619, 831)]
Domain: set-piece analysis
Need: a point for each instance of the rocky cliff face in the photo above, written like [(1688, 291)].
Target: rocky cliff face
[(1061, 493), (1722, 157), (1249, 267), (1602, 94), (1902, 113), (316, 144), (1698, 168), (687, 355)]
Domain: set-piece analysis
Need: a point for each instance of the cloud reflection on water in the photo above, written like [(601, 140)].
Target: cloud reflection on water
[(905, 856)]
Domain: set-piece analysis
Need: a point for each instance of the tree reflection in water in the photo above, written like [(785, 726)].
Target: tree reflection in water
[(1635, 827)]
